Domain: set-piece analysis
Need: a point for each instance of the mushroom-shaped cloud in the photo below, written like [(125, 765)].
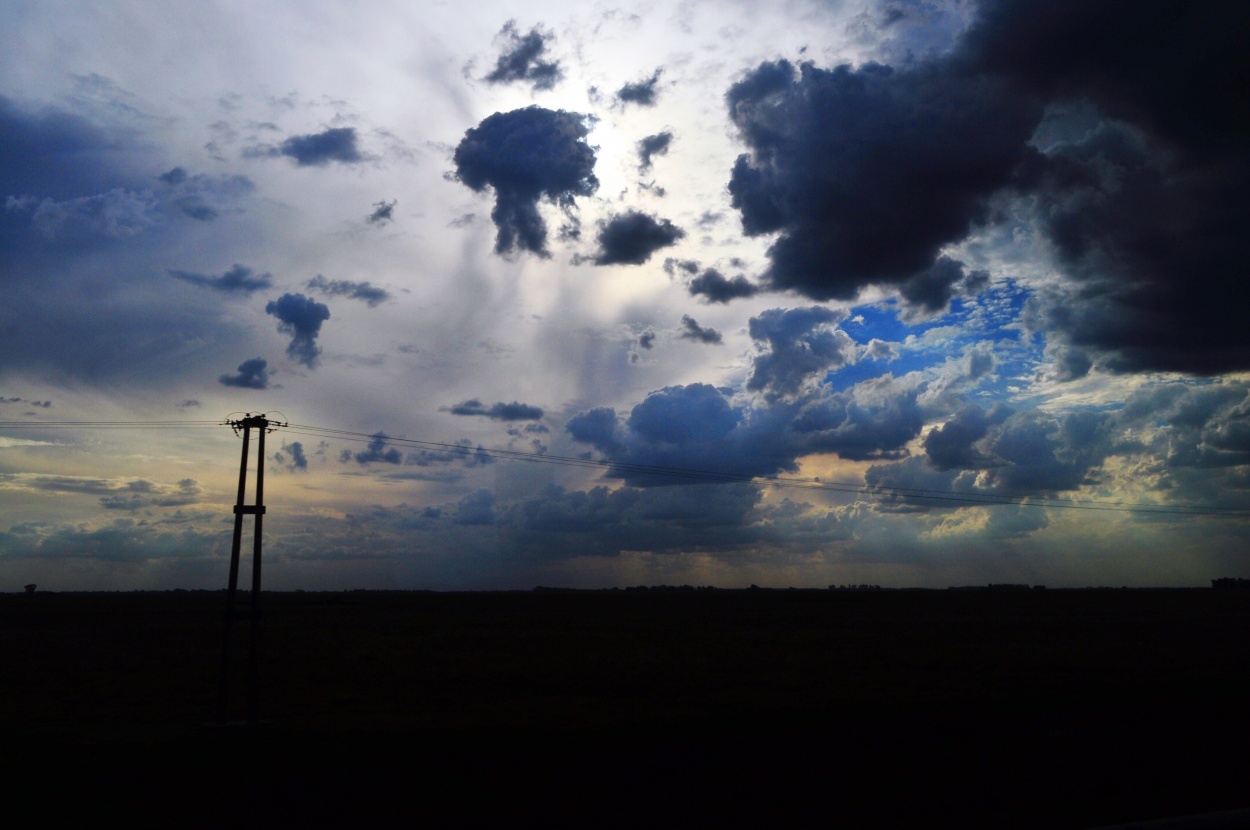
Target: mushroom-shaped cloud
[(527, 155)]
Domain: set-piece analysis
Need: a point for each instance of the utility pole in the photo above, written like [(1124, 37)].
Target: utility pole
[(245, 425)]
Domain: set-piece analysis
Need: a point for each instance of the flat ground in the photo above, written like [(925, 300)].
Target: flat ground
[(853, 709)]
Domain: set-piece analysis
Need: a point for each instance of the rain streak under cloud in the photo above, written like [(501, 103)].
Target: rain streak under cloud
[(916, 257)]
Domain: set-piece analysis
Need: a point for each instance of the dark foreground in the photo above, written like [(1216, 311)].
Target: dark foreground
[(1061, 709)]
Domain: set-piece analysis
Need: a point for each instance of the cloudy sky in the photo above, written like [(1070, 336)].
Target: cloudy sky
[(898, 292)]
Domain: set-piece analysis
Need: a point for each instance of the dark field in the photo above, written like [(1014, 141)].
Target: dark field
[(846, 709)]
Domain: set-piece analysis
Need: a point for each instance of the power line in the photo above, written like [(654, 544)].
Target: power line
[(108, 424), (624, 469), (710, 476)]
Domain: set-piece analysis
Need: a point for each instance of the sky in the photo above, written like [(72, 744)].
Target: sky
[(910, 293)]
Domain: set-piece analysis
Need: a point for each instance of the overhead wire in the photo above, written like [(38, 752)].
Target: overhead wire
[(172, 424), (910, 494), (907, 495)]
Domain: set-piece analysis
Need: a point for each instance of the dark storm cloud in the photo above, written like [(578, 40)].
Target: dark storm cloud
[(1149, 236), (646, 340), (376, 452), (337, 144), (1111, 121), (866, 173), (298, 459), (364, 291), (1070, 363), (1165, 73), (521, 59), (691, 330), (301, 318), (642, 92), (715, 287), (652, 146), (631, 238), (252, 374), (497, 412), (383, 212), (797, 344), (930, 291), (238, 280), (526, 156)]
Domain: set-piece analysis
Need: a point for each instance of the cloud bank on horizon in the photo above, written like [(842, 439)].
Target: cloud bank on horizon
[(911, 257)]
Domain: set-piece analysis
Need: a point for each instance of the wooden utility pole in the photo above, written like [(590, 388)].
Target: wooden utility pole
[(245, 425)]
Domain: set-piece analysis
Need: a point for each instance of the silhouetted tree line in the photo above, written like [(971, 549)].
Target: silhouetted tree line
[(998, 586), (545, 589), (854, 587), (1231, 583), (671, 588)]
